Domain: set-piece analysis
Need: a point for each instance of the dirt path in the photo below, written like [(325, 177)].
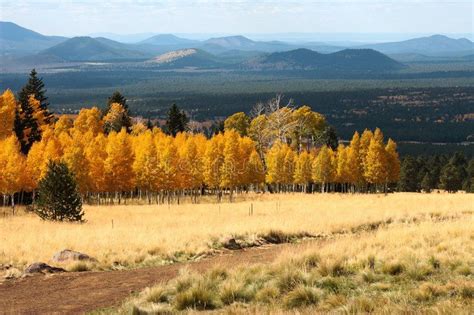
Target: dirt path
[(72, 293)]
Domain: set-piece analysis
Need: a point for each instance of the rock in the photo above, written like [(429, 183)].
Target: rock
[(232, 244), (40, 267), (69, 255)]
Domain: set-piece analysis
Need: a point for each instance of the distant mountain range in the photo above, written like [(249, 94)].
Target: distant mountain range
[(17, 40), (19, 45), (436, 45), (360, 60)]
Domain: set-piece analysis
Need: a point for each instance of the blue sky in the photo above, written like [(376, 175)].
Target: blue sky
[(240, 16)]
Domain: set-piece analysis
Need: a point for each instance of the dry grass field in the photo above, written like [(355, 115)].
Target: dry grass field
[(131, 236), (405, 269)]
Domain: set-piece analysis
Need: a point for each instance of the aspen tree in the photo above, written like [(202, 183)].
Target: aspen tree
[(118, 164), (376, 160), (89, 120), (303, 169), (323, 168), (229, 178), (354, 162), (145, 165), (11, 165), (393, 162), (7, 114)]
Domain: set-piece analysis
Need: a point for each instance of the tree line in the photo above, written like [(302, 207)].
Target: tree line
[(279, 148)]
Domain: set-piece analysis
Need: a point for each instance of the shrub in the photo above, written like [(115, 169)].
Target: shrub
[(393, 269), (232, 291), (58, 197), (267, 294), (197, 297), (289, 279), (301, 296)]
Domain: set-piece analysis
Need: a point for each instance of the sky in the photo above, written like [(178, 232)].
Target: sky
[(83, 17)]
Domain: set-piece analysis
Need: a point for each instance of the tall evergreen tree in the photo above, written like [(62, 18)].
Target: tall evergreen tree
[(177, 121), (451, 179), (58, 197), (408, 175), (117, 98), (27, 128)]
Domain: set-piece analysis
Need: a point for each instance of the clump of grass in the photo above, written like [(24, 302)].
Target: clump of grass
[(428, 291), (331, 284), (464, 270), (302, 296), (12, 273), (79, 266), (267, 294), (233, 291), (156, 295), (434, 262), (288, 279), (198, 297), (419, 272), (393, 269), (362, 305)]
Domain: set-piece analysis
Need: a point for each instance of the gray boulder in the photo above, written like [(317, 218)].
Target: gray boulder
[(70, 255), (39, 267)]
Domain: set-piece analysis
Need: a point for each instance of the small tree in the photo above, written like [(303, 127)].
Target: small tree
[(177, 121), (58, 197)]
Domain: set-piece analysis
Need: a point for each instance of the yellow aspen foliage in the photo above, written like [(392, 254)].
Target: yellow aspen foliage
[(89, 120), (323, 167), (7, 113), (75, 158), (229, 168), (39, 114), (35, 165), (96, 155), (119, 161), (255, 170), (246, 147), (213, 161), (138, 129), (145, 164), (393, 161), (113, 121), (63, 124), (376, 160), (275, 161), (303, 168), (343, 172), (191, 165), (11, 166), (354, 161), (169, 164), (307, 124), (367, 135), (289, 166)]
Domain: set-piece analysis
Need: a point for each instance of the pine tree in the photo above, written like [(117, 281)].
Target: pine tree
[(408, 175), (116, 98), (426, 183), (7, 114), (27, 128), (451, 179), (58, 197), (177, 121)]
